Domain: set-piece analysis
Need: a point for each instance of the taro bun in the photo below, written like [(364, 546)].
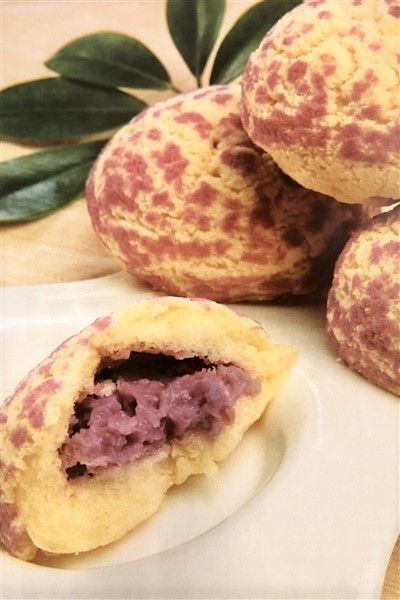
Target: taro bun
[(364, 302), (321, 95), (95, 435), (188, 204)]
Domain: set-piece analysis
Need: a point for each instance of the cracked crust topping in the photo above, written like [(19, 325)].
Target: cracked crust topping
[(364, 302), (190, 205), (321, 95)]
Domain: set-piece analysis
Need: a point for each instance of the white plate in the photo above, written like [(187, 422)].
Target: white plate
[(306, 507)]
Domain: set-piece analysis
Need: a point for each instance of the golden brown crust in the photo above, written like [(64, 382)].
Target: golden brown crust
[(188, 204), (321, 96), (363, 312), (42, 508)]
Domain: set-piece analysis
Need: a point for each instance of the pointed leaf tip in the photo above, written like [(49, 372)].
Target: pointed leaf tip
[(245, 37)]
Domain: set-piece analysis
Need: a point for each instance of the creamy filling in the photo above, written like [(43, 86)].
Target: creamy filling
[(141, 403)]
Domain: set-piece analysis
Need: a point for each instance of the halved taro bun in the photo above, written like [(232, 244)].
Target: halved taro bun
[(364, 302), (95, 435)]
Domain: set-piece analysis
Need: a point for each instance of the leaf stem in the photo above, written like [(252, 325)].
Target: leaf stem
[(198, 81)]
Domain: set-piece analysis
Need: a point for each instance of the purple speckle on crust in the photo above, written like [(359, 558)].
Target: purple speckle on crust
[(134, 138), (10, 534), (250, 76), (229, 222), (44, 368), (171, 161), (394, 11), (372, 112), (375, 46), (129, 246), (200, 124), (362, 326), (102, 323), (359, 87), (203, 195), (297, 70), (35, 401), (288, 40), (192, 216), (18, 436), (222, 99), (360, 143), (306, 27), (114, 186), (280, 128), (221, 247), (162, 200), (154, 219), (138, 180), (354, 31), (380, 252), (7, 470), (230, 122), (154, 134), (262, 93)]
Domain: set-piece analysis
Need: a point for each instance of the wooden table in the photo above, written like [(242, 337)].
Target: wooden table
[(62, 246)]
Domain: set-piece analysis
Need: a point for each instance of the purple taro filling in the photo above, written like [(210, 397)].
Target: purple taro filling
[(140, 403)]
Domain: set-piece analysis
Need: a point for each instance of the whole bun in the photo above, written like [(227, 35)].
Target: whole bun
[(364, 302), (188, 204), (321, 95)]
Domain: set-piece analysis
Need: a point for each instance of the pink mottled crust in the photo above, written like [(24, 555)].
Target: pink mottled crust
[(364, 302), (188, 204), (321, 96)]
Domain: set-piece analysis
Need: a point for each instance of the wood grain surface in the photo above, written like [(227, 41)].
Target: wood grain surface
[(62, 246)]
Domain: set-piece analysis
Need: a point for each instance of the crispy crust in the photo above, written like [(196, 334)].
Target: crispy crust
[(40, 507), (321, 96), (363, 313), (188, 204)]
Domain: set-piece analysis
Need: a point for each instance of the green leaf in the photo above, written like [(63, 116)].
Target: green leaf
[(34, 185), (57, 109), (110, 59), (245, 36), (194, 26)]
